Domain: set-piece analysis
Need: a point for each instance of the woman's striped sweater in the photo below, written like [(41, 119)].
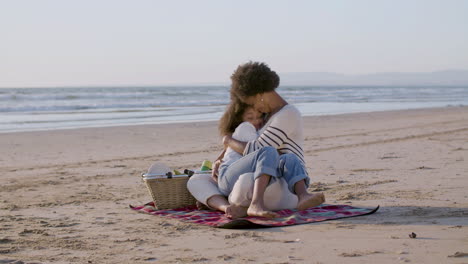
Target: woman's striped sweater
[(283, 131)]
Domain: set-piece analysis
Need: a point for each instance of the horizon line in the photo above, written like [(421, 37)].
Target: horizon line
[(227, 85), (217, 83)]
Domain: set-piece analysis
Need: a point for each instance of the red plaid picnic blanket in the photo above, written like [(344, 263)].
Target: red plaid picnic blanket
[(287, 217)]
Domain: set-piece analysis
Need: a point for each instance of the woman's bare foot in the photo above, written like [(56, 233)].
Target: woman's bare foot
[(236, 211), (257, 210), (310, 200), (201, 206)]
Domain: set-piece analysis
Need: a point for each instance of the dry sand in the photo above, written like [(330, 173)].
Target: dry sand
[(64, 194)]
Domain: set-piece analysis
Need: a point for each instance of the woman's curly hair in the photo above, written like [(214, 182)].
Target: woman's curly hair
[(253, 78)]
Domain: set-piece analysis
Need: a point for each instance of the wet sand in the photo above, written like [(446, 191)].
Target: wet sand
[(64, 194)]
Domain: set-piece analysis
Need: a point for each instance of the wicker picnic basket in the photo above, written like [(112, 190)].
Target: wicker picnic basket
[(168, 191)]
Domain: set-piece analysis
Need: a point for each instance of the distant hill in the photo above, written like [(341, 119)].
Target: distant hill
[(449, 77)]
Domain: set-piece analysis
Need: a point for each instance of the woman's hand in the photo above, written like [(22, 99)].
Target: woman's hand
[(214, 172)]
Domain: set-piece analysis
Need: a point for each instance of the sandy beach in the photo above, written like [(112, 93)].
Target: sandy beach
[(64, 194)]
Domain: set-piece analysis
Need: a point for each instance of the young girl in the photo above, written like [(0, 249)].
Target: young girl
[(243, 122)]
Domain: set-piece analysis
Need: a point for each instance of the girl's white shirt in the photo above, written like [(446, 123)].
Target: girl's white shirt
[(244, 132)]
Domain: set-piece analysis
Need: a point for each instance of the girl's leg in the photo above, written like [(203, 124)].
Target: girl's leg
[(306, 199), (277, 195), (260, 162), (295, 174), (263, 163), (257, 206)]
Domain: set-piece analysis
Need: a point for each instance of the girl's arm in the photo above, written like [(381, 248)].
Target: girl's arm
[(221, 155), (214, 172), (244, 133)]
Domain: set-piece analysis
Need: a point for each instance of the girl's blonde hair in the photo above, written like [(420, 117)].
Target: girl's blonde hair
[(232, 117)]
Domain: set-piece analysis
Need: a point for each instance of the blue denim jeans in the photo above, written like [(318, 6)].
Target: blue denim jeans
[(263, 161), (292, 170)]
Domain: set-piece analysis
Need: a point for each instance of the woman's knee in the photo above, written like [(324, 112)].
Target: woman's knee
[(192, 183), (245, 181), (202, 187), (198, 182), (242, 191)]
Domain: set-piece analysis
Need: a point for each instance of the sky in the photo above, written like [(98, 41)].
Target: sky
[(118, 43)]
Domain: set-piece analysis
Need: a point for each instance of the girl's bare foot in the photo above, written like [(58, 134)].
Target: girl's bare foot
[(310, 200), (257, 210), (236, 211)]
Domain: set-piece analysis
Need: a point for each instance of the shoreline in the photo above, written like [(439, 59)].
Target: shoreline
[(107, 143), (65, 193), (212, 120)]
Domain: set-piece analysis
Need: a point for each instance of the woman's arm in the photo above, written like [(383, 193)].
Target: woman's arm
[(280, 133), (236, 145)]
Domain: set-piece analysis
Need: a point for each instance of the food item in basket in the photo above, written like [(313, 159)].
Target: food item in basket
[(206, 165)]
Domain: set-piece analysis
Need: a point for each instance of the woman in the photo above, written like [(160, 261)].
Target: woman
[(254, 84)]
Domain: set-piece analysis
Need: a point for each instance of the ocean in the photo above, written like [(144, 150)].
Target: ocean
[(30, 109)]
